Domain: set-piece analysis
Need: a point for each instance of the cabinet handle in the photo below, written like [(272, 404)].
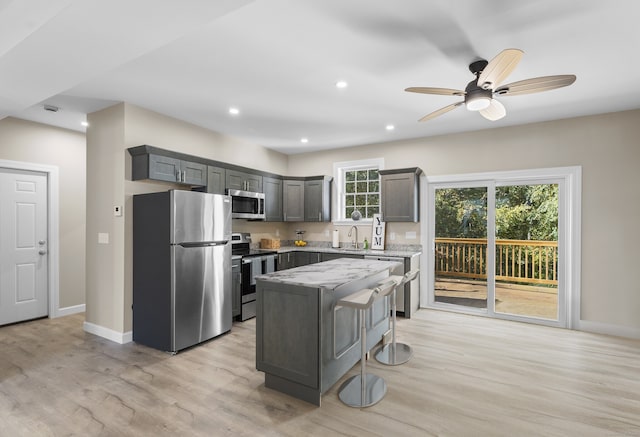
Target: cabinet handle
[(320, 216), (178, 175), (184, 176)]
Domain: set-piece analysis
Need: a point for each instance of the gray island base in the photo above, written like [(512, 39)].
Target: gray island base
[(304, 342)]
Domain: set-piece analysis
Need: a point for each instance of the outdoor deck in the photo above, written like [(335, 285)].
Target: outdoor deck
[(526, 274), (525, 300)]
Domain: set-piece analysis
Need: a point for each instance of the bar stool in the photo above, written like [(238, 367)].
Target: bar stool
[(395, 353), (365, 389)]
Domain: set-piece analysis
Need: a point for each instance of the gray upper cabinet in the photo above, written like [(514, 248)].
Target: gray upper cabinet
[(400, 194), (193, 173), (163, 168), (272, 199), (166, 168), (237, 180), (293, 200), (216, 180), (317, 199)]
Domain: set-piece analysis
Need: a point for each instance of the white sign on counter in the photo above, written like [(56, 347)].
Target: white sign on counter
[(377, 237)]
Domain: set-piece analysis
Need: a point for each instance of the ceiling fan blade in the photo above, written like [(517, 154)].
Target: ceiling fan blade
[(536, 85), (499, 68), (441, 111), (438, 91), (495, 111)]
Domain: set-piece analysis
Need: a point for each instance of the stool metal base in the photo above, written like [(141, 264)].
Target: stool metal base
[(351, 394), (393, 354)]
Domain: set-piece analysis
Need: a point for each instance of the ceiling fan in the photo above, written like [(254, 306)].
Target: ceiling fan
[(479, 95)]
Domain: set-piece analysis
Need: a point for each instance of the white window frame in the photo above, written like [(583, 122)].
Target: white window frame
[(339, 170)]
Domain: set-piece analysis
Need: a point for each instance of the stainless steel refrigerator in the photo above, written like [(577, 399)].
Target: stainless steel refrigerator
[(181, 268)]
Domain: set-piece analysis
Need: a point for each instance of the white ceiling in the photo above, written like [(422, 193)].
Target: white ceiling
[(278, 62)]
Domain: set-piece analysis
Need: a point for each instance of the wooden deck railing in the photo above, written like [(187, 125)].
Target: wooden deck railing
[(521, 261)]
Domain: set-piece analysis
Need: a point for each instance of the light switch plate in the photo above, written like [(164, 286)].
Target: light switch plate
[(117, 211)]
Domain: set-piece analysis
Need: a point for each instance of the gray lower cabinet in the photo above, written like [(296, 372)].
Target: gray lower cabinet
[(330, 256), (236, 293), (237, 180), (304, 342), (293, 200), (216, 180), (169, 169), (272, 199), (286, 260), (317, 199), (306, 258), (400, 194)]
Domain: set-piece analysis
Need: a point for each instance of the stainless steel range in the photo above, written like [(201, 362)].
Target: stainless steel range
[(254, 262)]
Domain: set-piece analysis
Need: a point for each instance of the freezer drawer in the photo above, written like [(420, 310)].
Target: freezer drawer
[(201, 294)]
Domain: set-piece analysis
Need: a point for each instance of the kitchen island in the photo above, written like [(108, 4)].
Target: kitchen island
[(304, 342)]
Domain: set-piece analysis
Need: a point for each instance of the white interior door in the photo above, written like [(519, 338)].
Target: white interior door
[(23, 245)]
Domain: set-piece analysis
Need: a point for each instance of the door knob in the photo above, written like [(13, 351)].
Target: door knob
[(41, 242), (42, 252)]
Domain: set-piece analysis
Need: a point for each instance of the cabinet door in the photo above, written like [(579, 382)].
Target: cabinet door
[(313, 201), (286, 260), (288, 333), (216, 180), (272, 199), (293, 200), (163, 168), (254, 183), (193, 173), (235, 180), (301, 258), (399, 197), (330, 256), (317, 200)]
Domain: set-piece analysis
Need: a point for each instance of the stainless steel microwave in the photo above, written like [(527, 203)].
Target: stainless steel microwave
[(247, 205)]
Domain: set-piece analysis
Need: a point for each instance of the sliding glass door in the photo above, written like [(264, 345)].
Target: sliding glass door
[(527, 258), (498, 247), (460, 270)]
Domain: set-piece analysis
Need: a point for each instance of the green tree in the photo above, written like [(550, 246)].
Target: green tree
[(523, 212)]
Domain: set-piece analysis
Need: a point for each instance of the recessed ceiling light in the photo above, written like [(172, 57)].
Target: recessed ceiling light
[(304, 140), (341, 84), (84, 123), (234, 111), (389, 127)]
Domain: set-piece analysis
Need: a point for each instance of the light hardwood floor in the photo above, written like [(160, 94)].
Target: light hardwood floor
[(470, 376)]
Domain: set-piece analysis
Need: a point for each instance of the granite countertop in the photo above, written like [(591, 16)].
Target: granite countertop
[(329, 274), (366, 252)]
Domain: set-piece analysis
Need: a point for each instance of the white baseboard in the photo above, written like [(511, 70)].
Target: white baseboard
[(608, 329), (109, 334), (67, 311)]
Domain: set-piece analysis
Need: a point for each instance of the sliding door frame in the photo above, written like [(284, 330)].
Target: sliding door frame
[(569, 232)]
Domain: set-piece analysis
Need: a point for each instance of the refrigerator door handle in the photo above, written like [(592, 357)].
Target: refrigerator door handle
[(204, 244)]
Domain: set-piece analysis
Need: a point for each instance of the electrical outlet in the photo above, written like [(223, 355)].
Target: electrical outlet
[(411, 235), (392, 235)]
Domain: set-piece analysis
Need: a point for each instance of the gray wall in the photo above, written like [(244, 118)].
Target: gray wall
[(25, 141), (607, 148)]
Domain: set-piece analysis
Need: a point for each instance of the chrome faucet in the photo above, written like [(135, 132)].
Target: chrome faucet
[(354, 242)]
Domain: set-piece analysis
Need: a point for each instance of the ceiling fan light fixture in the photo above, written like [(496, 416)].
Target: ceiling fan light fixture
[(478, 103)]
